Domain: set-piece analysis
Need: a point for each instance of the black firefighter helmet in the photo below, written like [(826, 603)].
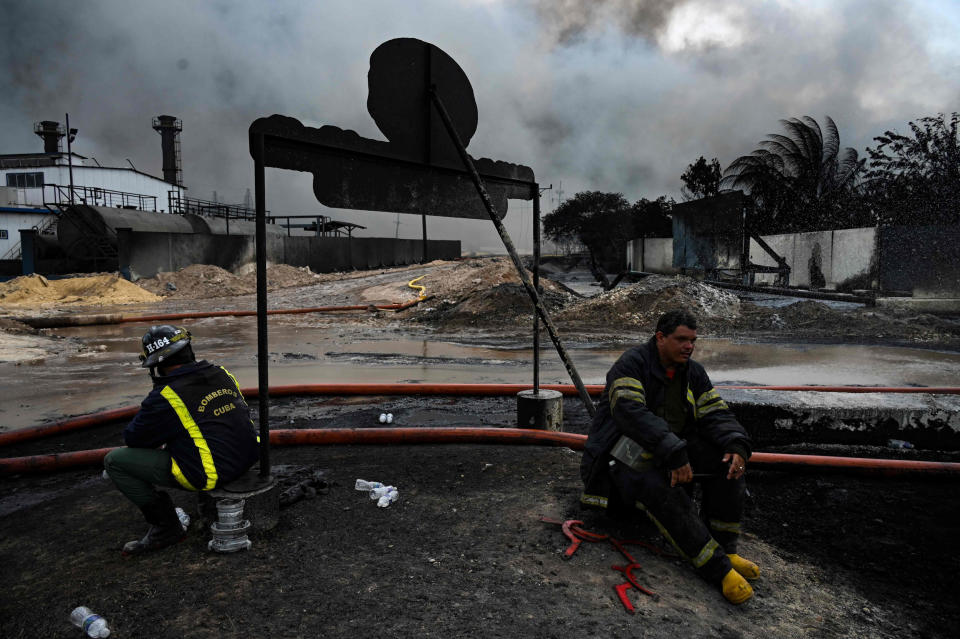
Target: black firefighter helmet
[(160, 343)]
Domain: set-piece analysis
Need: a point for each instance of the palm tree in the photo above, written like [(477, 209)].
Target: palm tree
[(801, 180)]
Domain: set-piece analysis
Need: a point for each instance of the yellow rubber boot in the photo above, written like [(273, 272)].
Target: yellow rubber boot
[(735, 588), (745, 567)]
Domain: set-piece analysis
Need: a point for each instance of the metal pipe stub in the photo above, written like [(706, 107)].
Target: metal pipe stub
[(230, 530), (540, 409)]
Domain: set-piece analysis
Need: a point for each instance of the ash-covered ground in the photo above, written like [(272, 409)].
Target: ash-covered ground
[(463, 553)]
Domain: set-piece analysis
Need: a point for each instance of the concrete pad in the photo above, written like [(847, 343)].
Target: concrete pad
[(778, 417)]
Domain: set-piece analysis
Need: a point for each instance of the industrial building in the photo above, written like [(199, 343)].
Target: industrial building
[(61, 212)]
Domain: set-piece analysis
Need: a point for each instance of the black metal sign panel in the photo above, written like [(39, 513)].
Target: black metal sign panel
[(418, 169)]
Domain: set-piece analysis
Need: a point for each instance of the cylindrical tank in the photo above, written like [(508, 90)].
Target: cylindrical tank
[(84, 231)]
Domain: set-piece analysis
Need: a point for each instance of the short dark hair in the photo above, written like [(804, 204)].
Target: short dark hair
[(670, 320)]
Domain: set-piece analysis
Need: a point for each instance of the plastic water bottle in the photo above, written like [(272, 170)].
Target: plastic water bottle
[(898, 443), (380, 491), (184, 518), (389, 418), (383, 418), (94, 625), (363, 484), (388, 498)]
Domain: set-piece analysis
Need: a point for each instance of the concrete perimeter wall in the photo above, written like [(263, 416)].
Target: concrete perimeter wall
[(844, 258), (651, 255), (923, 261), (147, 253)]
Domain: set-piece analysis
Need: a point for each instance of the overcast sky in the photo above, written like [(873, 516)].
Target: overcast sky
[(612, 95)]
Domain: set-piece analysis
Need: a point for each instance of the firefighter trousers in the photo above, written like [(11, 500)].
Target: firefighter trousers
[(705, 535), (135, 472)]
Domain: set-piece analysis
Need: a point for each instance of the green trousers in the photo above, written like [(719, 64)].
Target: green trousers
[(136, 471)]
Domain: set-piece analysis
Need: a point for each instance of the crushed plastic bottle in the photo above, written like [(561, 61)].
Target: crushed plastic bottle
[(184, 518), (388, 498), (898, 443), (389, 418), (383, 495), (383, 418), (367, 486), (93, 625)]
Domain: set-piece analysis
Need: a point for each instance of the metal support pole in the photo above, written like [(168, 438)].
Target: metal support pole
[(536, 285), (425, 258), (70, 157), (512, 251), (262, 353)]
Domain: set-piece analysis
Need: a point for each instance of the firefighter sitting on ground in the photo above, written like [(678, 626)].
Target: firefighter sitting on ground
[(193, 432), (660, 421)]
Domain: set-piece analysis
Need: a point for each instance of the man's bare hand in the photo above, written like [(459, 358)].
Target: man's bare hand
[(682, 475), (738, 465)]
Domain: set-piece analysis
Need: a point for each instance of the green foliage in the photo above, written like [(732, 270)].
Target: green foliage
[(701, 179), (651, 218), (915, 179), (800, 181), (593, 218)]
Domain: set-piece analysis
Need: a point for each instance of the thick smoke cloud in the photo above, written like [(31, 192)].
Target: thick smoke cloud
[(611, 95)]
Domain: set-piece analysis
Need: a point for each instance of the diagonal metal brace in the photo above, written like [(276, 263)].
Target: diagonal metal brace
[(508, 243)]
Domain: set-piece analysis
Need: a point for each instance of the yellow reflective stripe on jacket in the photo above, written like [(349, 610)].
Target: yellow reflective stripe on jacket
[(709, 402), (179, 476), (594, 500), (206, 457), (725, 526), (230, 375), (626, 388)]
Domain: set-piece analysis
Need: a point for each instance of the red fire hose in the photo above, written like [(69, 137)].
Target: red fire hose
[(85, 421), (507, 436)]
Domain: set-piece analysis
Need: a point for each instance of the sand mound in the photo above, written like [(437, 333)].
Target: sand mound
[(483, 291), (200, 281), (97, 290), (640, 305), (280, 275)]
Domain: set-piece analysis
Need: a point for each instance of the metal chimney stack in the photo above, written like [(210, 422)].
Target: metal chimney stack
[(169, 129), (52, 134)]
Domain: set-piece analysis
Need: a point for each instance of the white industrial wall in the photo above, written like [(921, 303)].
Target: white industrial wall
[(12, 223), (844, 254), (114, 179)]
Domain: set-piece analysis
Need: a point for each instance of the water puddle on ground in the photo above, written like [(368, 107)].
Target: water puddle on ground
[(106, 374)]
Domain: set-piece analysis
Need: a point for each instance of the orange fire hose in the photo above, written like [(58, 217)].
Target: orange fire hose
[(508, 436), (86, 421)]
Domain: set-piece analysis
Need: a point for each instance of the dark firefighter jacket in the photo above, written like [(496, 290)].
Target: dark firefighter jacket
[(198, 413), (632, 397)]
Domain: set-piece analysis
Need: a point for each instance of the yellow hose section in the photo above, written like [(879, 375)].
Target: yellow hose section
[(422, 292)]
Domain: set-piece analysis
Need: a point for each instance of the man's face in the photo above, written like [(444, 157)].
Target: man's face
[(677, 347)]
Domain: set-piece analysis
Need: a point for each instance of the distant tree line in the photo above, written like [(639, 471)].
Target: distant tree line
[(802, 180), (798, 180)]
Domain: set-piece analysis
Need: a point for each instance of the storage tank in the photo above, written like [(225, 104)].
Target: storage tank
[(85, 232)]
